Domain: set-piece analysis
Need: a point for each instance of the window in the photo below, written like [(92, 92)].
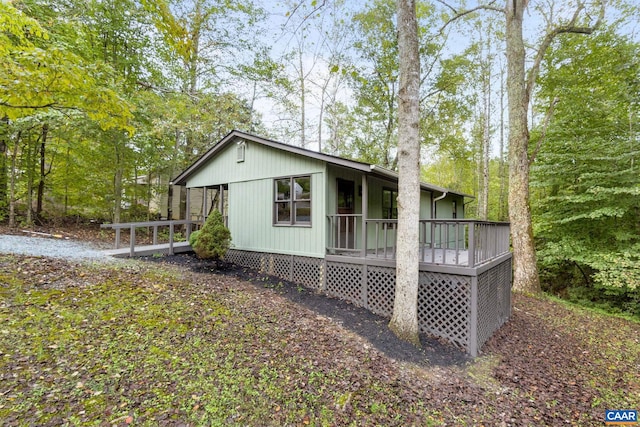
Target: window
[(389, 203), (240, 151), (454, 209), (292, 201)]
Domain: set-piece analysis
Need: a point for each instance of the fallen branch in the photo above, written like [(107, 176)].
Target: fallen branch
[(56, 236)]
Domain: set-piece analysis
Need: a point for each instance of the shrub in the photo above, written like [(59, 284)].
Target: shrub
[(212, 241)]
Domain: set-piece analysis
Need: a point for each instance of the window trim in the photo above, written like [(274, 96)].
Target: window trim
[(241, 149), (394, 202), (291, 201)]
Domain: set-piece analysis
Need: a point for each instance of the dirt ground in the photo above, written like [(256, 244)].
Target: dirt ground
[(549, 365), (359, 320)]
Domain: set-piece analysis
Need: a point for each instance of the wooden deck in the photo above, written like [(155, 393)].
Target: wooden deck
[(149, 250), (171, 247), (458, 257)]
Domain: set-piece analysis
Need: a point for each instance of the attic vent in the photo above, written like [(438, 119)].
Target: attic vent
[(240, 151)]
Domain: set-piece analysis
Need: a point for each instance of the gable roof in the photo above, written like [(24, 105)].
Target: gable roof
[(368, 168)]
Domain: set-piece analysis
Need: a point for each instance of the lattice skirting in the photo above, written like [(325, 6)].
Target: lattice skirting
[(494, 300), (445, 301), (444, 307), (306, 271)]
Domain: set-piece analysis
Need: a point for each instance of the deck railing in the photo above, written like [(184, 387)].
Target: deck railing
[(441, 241), (344, 235), (189, 226)]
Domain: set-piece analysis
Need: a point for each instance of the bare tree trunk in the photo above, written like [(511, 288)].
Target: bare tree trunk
[(502, 208), (303, 107), (12, 182), (117, 183), (404, 322), (525, 272), (43, 173), (4, 145), (486, 143), (30, 172)]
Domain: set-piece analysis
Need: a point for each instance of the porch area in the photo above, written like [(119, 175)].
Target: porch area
[(464, 292), (450, 242)]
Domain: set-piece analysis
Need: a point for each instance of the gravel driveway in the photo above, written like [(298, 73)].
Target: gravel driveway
[(51, 247)]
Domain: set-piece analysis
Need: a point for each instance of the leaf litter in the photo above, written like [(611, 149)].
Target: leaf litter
[(160, 344)]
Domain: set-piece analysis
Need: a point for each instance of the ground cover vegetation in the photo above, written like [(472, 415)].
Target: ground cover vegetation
[(150, 343), (119, 96)]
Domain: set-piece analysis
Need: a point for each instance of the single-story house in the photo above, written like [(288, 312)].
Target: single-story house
[(330, 223)]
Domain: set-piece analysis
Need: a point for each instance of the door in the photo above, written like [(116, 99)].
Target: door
[(346, 225)]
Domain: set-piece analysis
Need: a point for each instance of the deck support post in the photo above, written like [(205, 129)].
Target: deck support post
[(472, 245), (171, 238), (204, 203), (220, 199), (132, 241), (473, 318), (188, 214), (365, 214)]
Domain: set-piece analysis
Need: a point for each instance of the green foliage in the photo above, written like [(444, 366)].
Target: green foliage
[(38, 73), (585, 178), (213, 240), (193, 237)]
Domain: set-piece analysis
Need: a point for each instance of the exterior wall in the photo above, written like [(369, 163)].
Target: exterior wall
[(251, 199), (444, 207), (260, 162)]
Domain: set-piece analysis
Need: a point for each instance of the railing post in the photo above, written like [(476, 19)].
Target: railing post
[(170, 237), (155, 234), (472, 245), (117, 238), (132, 240), (473, 320), (365, 213)]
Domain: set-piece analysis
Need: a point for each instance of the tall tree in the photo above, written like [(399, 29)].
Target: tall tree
[(520, 86), (586, 175), (404, 322)]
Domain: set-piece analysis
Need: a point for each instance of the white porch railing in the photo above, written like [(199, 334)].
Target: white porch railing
[(442, 241)]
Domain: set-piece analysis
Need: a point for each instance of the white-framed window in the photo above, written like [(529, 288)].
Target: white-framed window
[(292, 201)]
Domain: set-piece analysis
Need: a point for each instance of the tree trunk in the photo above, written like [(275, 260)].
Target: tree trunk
[(117, 182), (404, 322), (486, 142), (12, 182), (303, 107), (501, 203), (30, 172), (525, 274), (4, 145), (43, 174)]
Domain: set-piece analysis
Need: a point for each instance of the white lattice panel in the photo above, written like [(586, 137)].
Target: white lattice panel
[(345, 281), (381, 283), (444, 303), (308, 271)]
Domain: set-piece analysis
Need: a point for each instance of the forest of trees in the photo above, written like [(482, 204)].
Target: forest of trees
[(102, 102)]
